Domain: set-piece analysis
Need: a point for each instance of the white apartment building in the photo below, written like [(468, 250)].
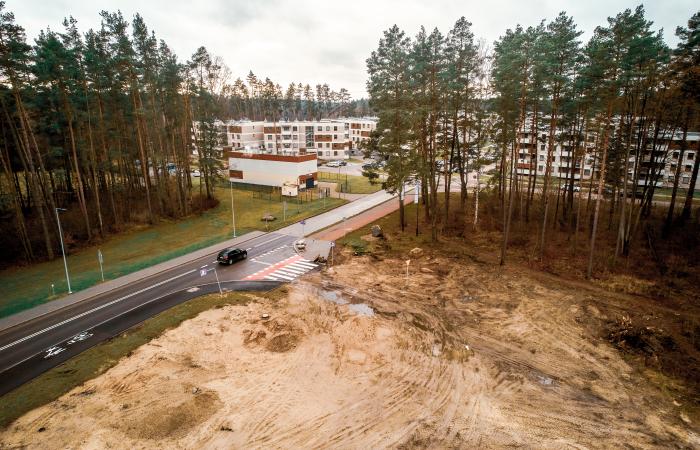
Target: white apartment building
[(244, 134), (359, 131), (665, 160), (327, 139), (533, 152)]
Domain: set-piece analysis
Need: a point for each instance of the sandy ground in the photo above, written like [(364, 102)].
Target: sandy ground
[(463, 355)]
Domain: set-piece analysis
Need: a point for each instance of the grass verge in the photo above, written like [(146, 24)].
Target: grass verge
[(100, 358), (351, 184)]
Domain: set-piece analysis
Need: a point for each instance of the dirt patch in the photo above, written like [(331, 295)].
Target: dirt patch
[(465, 355), (173, 422), (283, 342)]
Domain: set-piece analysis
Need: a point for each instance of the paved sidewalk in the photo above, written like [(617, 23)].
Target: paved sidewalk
[(339, 214), (49, 307), (341, 229)]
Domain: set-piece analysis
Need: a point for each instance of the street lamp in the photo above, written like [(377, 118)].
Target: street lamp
[(63, 250), (233, 213)]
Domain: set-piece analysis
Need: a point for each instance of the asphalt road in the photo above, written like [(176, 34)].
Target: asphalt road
[(33, 347)]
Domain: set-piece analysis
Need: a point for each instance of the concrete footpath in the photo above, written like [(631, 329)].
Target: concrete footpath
[(337, 215), (68, 300)]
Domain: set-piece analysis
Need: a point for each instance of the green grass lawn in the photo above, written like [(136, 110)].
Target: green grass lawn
[(355, 184), (26, 287)]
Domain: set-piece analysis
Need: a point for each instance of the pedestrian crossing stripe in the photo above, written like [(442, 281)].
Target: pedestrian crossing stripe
[(285, 270)]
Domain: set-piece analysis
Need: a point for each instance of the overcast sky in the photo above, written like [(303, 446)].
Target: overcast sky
[(317, 41)]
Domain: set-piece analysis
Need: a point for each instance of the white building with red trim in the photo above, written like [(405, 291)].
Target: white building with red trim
[(277, 170)]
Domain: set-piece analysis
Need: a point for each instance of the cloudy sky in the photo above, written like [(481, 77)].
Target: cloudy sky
[(317, 41)]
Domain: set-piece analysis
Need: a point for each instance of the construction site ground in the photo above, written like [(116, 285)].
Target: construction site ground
[(455, 352)]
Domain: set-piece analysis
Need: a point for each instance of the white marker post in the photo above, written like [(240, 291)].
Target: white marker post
[(284, 208), (203, 271), (408, 262), (216, 274), (332, 247), (100, 258), (303, 222)]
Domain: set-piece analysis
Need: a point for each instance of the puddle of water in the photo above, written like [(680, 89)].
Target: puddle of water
[(545, 381), (334, 296), (338, 297), (362, 309)]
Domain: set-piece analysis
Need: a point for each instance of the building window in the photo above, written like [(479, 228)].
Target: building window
[(540, 168), (542, 147), (320, 128), (688, 168), (335, 152), (675, 155), (269, 137), (335, 128), (686, 180), (320, 153), (294, 128), (328, 128), (691, 156), (541, 157), (320, 145), (328, 153), (269, 145), (335, 137), (586, 172), (671, 177)]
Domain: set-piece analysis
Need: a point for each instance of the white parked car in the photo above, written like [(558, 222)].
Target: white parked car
[(196, 173), (333, 164)]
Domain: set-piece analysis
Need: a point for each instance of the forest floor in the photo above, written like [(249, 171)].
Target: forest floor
[(142, 246), (459, 353)]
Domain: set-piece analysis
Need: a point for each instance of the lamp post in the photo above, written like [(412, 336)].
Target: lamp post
[(233, 212), (63, 250)]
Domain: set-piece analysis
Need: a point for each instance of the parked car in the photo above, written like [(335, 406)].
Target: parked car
[(370, 166), (333, 164), (231, 255), (196, 173), (577, 188), (343, 163)]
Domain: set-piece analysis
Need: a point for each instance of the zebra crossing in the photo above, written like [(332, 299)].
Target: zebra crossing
[(286, 270)]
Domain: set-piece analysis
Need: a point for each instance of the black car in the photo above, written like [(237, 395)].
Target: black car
[(343, 163), (231, 255)]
